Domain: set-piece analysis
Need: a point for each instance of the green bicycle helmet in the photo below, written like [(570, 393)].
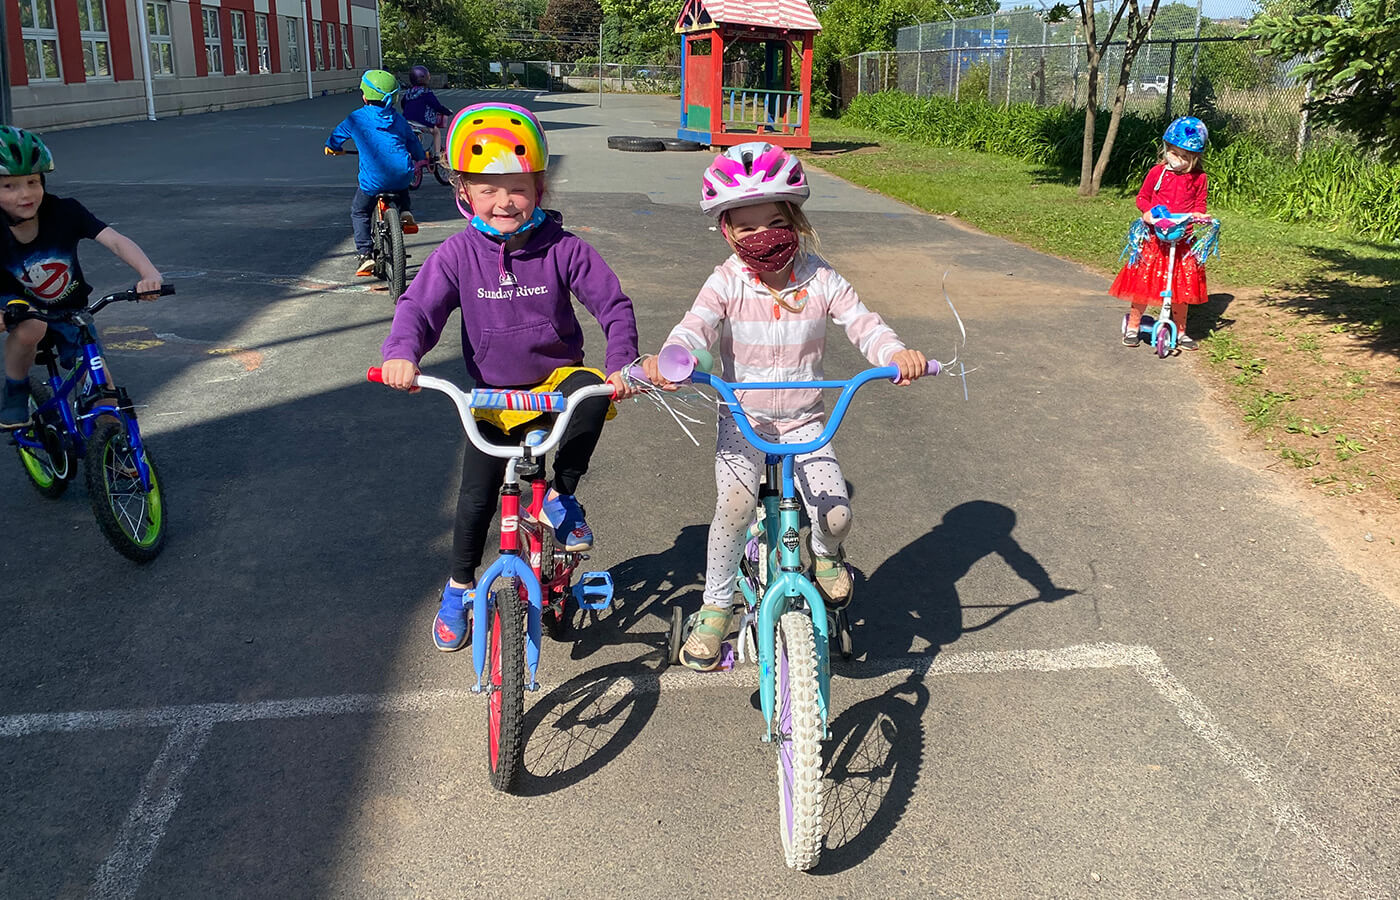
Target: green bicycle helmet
[(23, 153), (378, 85)]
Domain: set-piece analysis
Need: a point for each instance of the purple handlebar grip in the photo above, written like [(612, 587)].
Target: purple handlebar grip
[(639, 373), (934, 367)]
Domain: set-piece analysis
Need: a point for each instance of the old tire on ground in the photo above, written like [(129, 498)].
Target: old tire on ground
[(635, 144), (681, 144)]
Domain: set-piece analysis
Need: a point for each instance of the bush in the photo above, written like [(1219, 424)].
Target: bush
[(1336, 185)]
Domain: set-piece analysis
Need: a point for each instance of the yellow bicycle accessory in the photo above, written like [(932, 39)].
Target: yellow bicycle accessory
[(510, 419)]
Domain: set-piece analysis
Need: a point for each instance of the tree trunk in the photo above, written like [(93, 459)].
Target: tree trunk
[(1091, 170), (1091, 98)]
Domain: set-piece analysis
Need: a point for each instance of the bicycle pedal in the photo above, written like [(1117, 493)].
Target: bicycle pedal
[(594, 590)]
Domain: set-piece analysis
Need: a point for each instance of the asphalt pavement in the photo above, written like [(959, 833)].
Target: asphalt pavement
[(1098, 657)]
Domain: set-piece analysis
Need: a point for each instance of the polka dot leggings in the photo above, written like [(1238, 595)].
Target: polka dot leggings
[(738, 471)]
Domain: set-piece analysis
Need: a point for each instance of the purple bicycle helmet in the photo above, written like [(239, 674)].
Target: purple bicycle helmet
[(418, 76), (755, 172)]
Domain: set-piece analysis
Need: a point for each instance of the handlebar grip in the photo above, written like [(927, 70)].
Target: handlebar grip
[(375, 374), (934, 367)]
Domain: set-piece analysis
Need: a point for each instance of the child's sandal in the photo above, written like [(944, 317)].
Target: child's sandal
[(833, 578), (704, 648)]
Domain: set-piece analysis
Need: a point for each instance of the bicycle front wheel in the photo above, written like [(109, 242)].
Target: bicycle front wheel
[(797, 733), (396, 264), (505, 702), (131, 517)]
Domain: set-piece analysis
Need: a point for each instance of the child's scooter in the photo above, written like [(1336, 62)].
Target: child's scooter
[(1160, 333)]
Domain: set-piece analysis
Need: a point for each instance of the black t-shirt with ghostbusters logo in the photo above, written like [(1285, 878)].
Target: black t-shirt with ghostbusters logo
[(45, 271)]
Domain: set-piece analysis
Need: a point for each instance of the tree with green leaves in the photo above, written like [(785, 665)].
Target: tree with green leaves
[(1353, 65), (1135, 31), (439, 29)]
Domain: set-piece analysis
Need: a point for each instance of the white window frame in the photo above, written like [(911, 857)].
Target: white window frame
[(36, 36), (261, 26), (93, 38), (162, 43), (345, 47), (320, 61), (213, 43), (294, 27), (238, 27)]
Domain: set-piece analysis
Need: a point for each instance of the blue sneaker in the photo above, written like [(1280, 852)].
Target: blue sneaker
[(452, 627), (565, 515), (14, 412)]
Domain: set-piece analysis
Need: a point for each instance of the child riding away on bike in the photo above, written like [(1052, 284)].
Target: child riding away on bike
[(510, 275), (1177, 184), (39, 263), (388, 150), (767, 306), (422, 107)]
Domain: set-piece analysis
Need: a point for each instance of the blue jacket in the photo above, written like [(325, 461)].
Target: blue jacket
[(387, 147)]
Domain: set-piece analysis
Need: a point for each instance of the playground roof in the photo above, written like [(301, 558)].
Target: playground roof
[(791, 15)]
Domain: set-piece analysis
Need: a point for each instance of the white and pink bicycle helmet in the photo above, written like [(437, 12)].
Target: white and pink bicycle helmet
[(756, 172)]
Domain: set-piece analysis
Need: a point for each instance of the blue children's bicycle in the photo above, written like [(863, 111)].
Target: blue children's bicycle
[(506, 653), (785, 616), (84, 415)]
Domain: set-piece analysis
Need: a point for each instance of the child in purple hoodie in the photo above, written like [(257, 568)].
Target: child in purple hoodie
[(511, 275)]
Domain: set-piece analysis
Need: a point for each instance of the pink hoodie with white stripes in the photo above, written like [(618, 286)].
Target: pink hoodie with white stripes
[(759, 340)]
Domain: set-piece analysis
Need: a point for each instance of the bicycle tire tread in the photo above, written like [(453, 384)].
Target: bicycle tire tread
[(798, 642), (506, 773)]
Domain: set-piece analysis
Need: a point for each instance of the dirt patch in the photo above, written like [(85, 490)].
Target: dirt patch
[(1316, 401)]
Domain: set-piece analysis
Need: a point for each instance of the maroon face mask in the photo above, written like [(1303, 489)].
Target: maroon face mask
[(768, 251)]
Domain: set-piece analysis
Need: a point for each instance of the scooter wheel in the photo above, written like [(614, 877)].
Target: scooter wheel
[(1163, 340)]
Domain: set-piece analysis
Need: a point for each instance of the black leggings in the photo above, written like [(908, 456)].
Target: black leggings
[(482, 475)]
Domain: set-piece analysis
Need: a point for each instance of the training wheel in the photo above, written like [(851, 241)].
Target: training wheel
[(675, 636), (843, 633)]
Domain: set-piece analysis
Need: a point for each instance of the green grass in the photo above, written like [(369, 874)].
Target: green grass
[(1030, 204)]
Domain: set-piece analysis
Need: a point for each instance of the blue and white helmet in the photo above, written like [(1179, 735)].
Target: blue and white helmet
[(1188, 133)]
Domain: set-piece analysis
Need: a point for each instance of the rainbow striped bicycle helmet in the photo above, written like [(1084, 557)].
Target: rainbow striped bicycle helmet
[(496, 139), (755, 172)]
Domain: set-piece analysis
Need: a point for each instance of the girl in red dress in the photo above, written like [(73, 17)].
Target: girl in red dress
[(1177, 183)]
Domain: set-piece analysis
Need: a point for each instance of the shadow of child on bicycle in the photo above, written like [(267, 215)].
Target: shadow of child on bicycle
[(914, 594), (647, 587)]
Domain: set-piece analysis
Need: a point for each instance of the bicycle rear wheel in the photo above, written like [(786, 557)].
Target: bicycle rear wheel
[(396, 265), (51, 469), (797, 733), (505, 701), (443, 173), (131, 517)]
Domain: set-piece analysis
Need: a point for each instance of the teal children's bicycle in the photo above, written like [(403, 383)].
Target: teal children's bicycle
[(530, 584), (77, 412), (783, 616)]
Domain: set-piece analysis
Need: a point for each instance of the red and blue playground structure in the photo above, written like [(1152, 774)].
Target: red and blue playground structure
[(778, 108)]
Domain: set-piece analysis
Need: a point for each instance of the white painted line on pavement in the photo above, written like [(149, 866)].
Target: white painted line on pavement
[(145, 825), (148, 817)]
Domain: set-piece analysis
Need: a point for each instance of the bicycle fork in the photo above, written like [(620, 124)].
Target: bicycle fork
[(786, 584), (508, 565)]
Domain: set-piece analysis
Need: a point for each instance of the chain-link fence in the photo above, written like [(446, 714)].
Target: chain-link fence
[(543, 75), (1191, 65)]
